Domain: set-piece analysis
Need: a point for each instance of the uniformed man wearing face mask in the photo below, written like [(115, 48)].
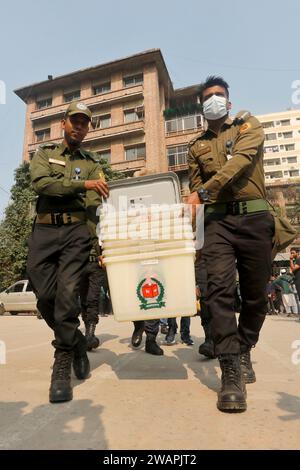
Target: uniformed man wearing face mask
[(66, 179), (226, 173)]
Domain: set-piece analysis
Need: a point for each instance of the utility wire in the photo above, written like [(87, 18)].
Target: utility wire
[(240, 67)]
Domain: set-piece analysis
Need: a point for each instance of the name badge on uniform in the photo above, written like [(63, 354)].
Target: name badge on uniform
[(58, 162)]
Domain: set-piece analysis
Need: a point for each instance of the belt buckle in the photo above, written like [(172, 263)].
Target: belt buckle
[(58, 219), (233, 208)]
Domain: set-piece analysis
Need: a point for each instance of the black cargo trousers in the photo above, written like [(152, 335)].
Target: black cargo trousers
[(93, 278), (242, 242), (56, 259)]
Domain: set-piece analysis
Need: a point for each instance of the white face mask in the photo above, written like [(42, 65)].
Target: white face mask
[(215, 108)]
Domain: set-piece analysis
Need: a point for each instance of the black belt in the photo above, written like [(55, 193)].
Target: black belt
[(60, 218)]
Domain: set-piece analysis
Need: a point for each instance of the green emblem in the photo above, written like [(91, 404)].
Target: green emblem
[(151, 294)]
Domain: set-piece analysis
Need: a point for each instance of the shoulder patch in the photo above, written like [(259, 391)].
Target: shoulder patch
[(244, 127)]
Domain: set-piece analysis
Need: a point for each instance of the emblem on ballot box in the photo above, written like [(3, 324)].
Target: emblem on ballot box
[(151, 293)]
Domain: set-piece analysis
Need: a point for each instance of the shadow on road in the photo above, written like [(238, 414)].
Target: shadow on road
[(205, 370), (290, 404), (72, 425), (138, 365)]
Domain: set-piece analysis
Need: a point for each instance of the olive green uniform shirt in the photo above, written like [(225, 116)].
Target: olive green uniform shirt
[(58, 178), (232, 172)]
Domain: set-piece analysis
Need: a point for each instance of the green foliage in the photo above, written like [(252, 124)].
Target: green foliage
[(15, 229), (109, 173), (190, 108)]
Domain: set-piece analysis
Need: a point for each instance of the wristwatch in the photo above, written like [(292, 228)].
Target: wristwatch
[(203, 194)]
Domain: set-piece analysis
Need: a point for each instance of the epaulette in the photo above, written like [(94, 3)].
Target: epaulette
[(50, 145), (242, 117), (191, 142)]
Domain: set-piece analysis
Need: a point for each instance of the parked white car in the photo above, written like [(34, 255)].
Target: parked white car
[(18, 298)]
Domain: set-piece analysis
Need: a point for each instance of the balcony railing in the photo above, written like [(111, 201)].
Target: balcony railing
[(121, 95)]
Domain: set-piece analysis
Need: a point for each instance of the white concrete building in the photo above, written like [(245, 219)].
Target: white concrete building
[(282, 146)]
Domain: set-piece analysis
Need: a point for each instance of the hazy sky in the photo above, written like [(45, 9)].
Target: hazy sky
[(255, 45)]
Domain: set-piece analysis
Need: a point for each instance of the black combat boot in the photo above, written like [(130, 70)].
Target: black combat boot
[(60, 387), (92, 342), (246, 368), (232, 396), (81, 364), (137, 334), (171, 336), (207, 348), (152, 347)]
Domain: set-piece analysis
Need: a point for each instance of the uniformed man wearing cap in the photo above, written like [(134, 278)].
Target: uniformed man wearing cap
[(66, 179), (226, 173)]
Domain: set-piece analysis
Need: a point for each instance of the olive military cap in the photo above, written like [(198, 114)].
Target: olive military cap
[(78, 108)]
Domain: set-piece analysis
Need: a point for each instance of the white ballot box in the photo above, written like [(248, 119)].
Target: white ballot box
[(148, 248)]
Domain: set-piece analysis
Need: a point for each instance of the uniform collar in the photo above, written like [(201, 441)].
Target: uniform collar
[(225, 125), (64, 149)]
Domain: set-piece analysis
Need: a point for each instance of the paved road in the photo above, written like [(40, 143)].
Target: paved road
[(137, 401)]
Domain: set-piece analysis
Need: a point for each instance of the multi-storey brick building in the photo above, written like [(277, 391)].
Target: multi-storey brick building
[(139, 120)]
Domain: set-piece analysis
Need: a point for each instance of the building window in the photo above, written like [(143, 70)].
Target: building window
[(102, 88), (133, 80), (266, 125), (271, 148), (274, 174), (101, 122), (184, 123), (273, 161), (271, 136), (72, 96), (177, 155), (46, 103), (134, 114), (294, 173), (105, 154), (42, 134), (138, 152), (292, 159), (287, 135), (289, 147), (285, 122)]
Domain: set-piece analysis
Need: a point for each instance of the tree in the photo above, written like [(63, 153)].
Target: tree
[(15, 229), (109, 173)]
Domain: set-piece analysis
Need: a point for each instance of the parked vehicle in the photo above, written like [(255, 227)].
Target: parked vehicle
[(18, 298)]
